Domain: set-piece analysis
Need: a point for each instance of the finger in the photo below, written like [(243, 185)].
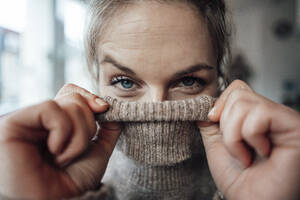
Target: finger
[(238, 99), (255, 129), (87, 171), (81, 134), (109, 134), (231, 123), (210, 133), (215, 113), (221, 162), (95, 103), (81, 104), (36, 123)]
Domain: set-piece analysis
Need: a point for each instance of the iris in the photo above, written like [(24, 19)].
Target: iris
[(189, 81), (127, 84)]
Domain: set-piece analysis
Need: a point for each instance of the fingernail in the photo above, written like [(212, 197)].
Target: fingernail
[(212, 112), (100, 102)]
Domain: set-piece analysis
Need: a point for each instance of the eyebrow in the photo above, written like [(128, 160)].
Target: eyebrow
[(191, 69), (109, 59)]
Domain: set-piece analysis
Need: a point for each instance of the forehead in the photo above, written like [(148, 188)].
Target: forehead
[(158, 34)]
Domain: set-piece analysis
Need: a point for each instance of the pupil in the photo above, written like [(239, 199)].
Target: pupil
[(188, 81), (127, 84)]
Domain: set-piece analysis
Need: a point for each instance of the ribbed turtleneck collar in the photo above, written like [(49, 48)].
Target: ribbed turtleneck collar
[(180, 110), (160, 153)]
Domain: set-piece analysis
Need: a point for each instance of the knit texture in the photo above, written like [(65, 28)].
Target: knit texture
[(181, 110), (160, 154), (159, 133)]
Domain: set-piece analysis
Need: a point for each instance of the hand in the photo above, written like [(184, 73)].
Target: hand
[(46, 150), (254, 150)]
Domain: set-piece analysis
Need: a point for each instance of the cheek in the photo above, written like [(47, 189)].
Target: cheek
[(103, 89), (212, 88)]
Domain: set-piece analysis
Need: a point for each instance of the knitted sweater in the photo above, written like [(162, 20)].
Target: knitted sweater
[(159, 154)]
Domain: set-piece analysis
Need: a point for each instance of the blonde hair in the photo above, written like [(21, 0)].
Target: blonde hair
[(213, 11)]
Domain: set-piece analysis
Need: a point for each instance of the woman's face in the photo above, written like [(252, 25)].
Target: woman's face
[(154, 52)]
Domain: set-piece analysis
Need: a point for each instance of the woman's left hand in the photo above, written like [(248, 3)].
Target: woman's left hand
[(253, 148)]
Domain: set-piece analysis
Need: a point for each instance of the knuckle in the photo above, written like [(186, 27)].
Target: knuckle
[(50, 105), (68, 88), (250, 129), (63, 121), (76, 109), (240, 97), (72, 89), (239, 106), (237, 94), (240, 84), (72, 98), (76, 97), (70, 85), (263, 108)]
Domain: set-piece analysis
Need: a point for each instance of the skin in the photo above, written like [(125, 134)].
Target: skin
[(252, 143), (155, 49)]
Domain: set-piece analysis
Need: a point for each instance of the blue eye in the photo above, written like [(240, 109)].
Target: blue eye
[(127, 84), (189, 85), (123, 82), (188, 81)]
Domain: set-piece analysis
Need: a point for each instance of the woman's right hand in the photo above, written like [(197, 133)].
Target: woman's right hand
[(46, 150)]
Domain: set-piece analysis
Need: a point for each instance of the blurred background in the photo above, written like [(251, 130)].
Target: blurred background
[(41, 49)]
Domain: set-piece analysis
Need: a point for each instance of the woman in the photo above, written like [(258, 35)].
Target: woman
[(152, 51)]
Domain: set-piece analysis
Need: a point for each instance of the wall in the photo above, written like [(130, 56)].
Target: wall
[(37, 44), (272, 60)]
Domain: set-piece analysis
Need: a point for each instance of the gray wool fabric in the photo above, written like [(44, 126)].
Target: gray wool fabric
[(159, 133), (159, 154), (181, 110)]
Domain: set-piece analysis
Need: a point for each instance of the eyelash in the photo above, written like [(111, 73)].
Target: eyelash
[(118, 79), (198, 80)]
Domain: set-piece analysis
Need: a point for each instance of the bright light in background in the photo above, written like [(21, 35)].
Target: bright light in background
[(13, 14), (74, 18)]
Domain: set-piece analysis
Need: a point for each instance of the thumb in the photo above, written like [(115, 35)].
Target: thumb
[(210, 133), (88, 170), (219, 159), (212, 140)]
